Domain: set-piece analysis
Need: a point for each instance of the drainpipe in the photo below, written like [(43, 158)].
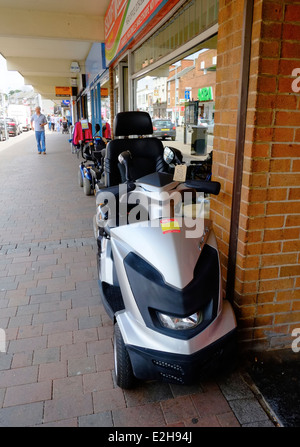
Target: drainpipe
[(239, 146)]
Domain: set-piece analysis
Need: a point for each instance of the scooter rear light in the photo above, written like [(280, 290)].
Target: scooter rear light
[(178, 323)]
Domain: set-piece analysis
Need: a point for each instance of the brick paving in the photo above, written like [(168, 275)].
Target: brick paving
[(58, 366)]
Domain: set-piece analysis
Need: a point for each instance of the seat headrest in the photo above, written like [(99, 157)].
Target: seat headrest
[(132, 123)]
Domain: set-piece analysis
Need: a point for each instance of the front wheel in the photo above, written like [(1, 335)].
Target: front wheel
[(123, 369)]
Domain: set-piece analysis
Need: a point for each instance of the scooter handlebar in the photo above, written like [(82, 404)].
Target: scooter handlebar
[(206, 187)]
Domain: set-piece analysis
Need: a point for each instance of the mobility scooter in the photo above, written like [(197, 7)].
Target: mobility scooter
[(90, 172), (159, 271)]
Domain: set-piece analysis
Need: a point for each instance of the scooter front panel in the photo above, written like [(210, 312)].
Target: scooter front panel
[(170, 251)]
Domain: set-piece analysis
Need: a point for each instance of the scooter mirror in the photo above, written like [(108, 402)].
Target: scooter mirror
[(168, 155), (172, 156)]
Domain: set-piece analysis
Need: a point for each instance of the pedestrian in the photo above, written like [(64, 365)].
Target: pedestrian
[(52, 122), (40, 121), (57, 124)]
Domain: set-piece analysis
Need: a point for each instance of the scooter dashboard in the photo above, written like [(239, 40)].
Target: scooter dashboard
[(157, 181)]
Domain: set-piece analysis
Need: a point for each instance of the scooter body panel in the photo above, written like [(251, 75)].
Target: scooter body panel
[(175, 257), (167, 266), (165, 246)]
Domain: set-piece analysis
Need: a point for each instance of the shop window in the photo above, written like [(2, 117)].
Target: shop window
[(183, 90)]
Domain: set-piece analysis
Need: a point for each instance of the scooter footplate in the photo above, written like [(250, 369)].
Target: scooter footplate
[(112, 299)]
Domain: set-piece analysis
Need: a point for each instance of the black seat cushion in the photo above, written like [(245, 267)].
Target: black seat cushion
[(147, 153), (147, 157)]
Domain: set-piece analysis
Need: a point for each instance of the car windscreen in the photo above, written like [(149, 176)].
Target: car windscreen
[(162, 123)]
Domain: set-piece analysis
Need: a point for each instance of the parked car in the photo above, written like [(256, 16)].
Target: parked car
[(163, 128), (13, 127), (2, 130), (207, 123)]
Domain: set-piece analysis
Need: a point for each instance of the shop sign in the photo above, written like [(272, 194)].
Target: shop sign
[(125, 19), (63, 91), (205, 94)]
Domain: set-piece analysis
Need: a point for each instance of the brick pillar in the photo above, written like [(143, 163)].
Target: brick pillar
[(267, 285)]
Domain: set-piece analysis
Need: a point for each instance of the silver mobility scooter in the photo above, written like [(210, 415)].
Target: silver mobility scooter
[(159, 272)]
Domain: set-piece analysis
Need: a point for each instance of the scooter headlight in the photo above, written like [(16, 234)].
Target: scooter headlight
[(180, 324)]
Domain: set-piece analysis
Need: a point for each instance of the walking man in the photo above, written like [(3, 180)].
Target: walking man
[(40, 121)]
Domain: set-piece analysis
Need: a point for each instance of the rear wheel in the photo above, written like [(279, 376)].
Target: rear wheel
[(123, 369), (87, 187), (80, 181)]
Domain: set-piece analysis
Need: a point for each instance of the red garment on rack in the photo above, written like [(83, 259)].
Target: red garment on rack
[(107, 131), (82, 135)]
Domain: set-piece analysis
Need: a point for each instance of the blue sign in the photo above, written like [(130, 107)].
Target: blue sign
[(187, 95)]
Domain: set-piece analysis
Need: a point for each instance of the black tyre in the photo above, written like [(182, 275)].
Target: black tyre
[(80, 181), (123, 369), (87, 187)]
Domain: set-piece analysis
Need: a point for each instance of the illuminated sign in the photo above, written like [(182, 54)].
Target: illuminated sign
[(205, 94)]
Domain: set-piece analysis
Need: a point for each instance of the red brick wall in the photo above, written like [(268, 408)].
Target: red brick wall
[(267, 287)]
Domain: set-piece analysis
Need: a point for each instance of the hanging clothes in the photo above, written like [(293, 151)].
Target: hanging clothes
[(80, 134)]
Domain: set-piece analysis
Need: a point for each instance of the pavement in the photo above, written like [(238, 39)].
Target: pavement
[(56, 361), (275, 375)]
